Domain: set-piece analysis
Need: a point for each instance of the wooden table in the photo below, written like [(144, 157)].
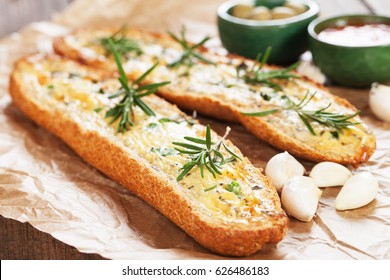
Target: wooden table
[(22, 241)]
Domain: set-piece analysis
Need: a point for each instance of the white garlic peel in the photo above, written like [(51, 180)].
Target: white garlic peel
[(300, 198), (282, 168), (379, 101), (330, 174), (358, 191)]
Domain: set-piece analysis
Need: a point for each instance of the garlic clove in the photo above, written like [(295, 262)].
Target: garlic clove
[(281, 168), (330, 174), (300, 198), (358, 191), (379, 100)]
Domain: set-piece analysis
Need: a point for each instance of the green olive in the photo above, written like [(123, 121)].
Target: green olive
[(298, 7), (261, 13), (242, 11), (282, 12)]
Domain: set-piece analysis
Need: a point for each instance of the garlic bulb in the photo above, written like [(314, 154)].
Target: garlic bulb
[(330, 174), (300, 198), (281, 168), (358, 191), (379, 101)]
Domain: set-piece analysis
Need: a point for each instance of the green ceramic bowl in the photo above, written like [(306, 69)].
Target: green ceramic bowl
[(350, 66), (288, 37)]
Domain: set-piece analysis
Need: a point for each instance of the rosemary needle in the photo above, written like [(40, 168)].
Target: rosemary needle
[(321, 116), (130, 94), (123, 45), (257, 75), (204, 153), (190, 54)]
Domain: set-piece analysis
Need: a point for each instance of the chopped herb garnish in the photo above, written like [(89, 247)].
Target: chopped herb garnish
[(101, 91), (211, 188), (164, 151), (265, 96), (321, 116), (234, 187), (130, 94), (97, 110), (204, 153), (51, 86), (190, 54), (181, 119), (335, 134), (124, 45), (152, 125), (257, 75), (165, 120)]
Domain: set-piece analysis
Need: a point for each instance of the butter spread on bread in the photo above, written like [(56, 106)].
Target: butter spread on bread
[(215, 90), (234, 214)]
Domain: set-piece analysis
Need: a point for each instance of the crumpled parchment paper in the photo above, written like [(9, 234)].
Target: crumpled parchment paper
[(44, 183)]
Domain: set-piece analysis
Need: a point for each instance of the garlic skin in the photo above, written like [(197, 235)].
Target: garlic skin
[(300, 198), (358, 191), (379, 100), (330, 174), (282, 168)]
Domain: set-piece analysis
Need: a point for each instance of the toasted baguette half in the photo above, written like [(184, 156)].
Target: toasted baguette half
[(215, 90), (70, 100)]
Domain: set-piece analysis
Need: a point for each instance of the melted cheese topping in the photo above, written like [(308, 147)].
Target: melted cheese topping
[(151, 139), (220, 83)]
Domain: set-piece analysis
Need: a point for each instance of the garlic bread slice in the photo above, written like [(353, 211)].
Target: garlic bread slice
[(232, 213)]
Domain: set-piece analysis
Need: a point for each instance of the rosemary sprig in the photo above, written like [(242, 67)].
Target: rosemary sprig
[(124, 45), (131, 94), (205, 154), (321, 116), (190, 54), (257, 75)]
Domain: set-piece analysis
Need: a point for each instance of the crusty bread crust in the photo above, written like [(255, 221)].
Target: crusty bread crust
[(211, 106), (113, 160)]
